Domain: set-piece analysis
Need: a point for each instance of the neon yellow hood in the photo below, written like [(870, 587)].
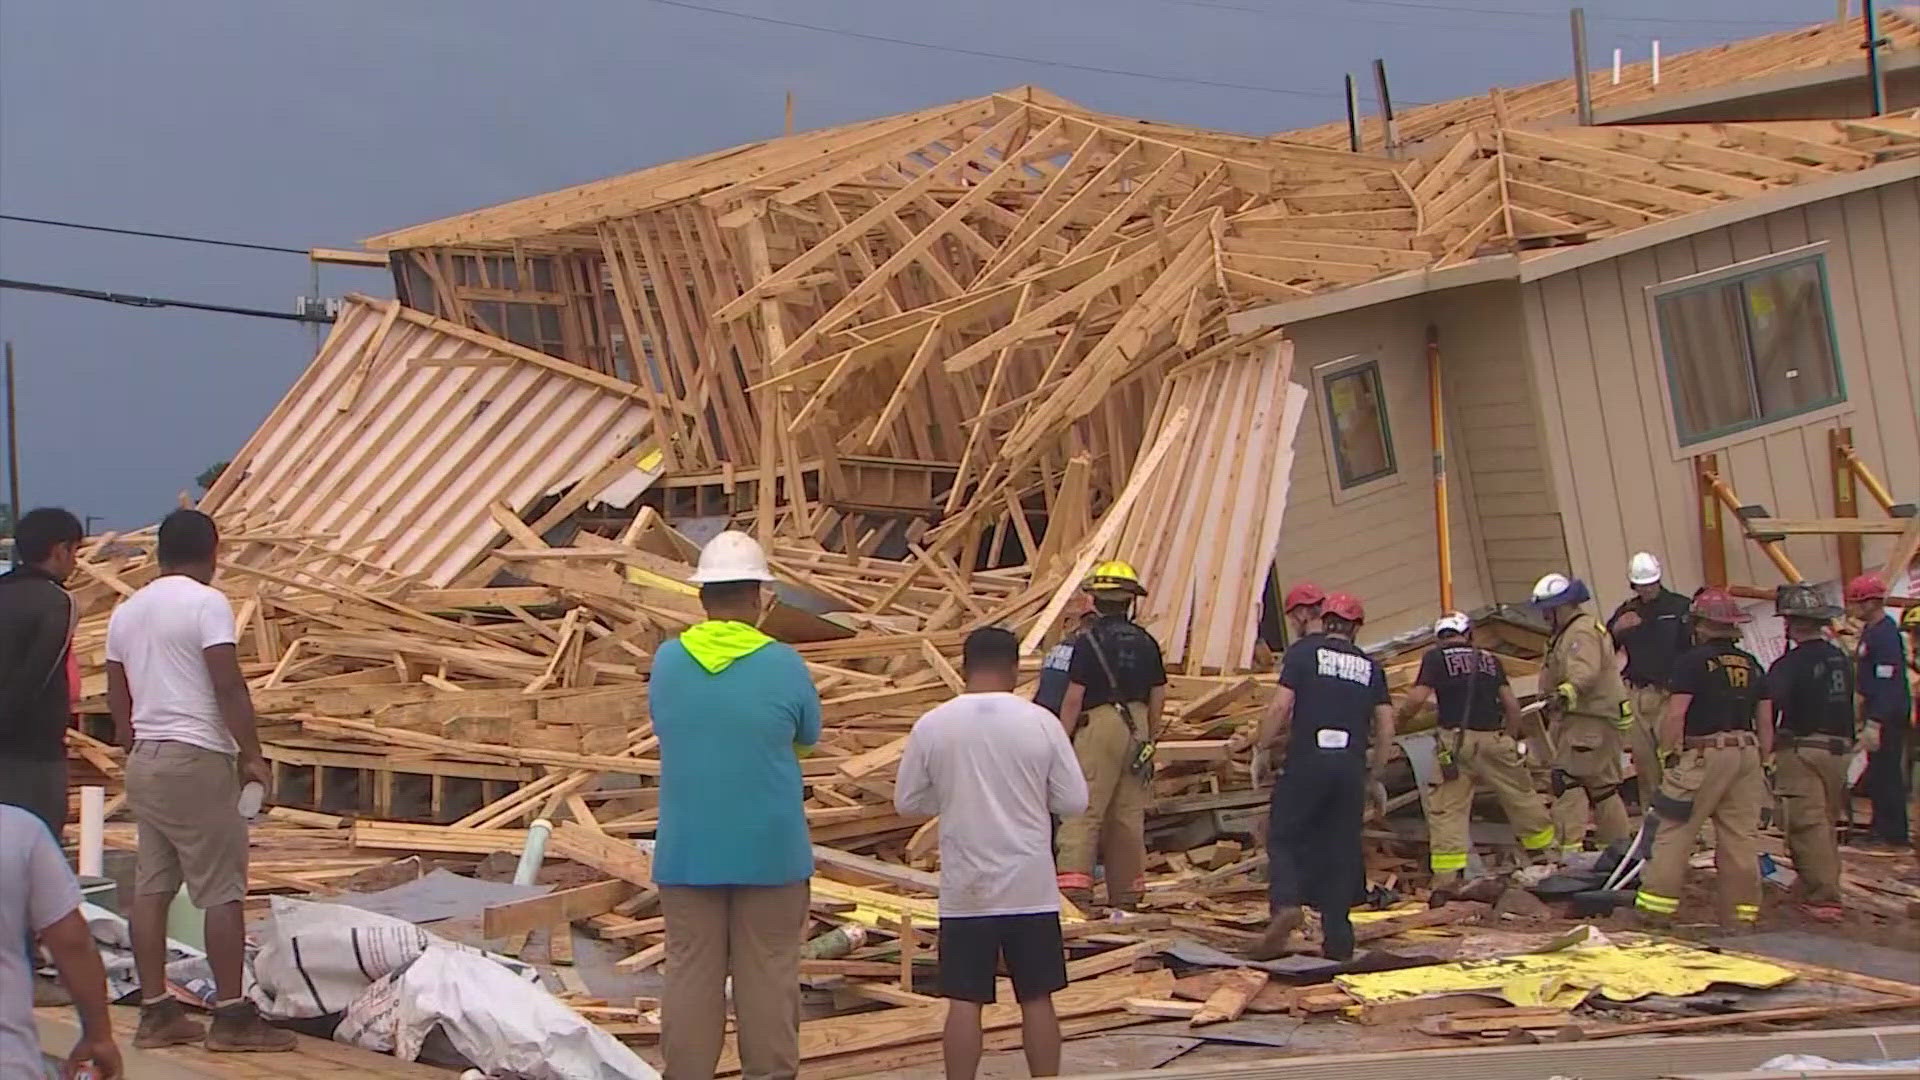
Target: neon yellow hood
[(717, 643)]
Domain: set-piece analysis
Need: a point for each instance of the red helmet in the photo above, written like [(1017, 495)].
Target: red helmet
[(1304, 594), (1344, 606), (1716, 605), (1866, 587)]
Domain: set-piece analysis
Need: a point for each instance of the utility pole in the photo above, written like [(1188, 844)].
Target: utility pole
[(13, 448)]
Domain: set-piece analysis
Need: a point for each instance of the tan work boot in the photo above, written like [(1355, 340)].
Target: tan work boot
[(1280, 930), (237, 1027), (166, 1023)]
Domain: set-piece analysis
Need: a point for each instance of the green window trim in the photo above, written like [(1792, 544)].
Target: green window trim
[(1739, 279)]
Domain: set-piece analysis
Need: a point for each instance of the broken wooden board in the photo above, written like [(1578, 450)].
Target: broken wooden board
[(1230, 999), (893, 1027)]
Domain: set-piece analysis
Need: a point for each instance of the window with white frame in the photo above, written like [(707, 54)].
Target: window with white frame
[(1357, 425), (1748, 347)]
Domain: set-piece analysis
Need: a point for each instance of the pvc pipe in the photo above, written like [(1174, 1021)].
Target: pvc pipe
[(1616, 67), (93, 820), (1656, 61), (535, 851)]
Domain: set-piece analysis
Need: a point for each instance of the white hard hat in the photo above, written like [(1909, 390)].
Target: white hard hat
[(1644, 569), (731, 556), (1453, 622), (1550, 586)]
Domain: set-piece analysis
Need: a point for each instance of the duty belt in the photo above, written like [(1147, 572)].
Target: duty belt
[(1836, 744), (1723, 740)]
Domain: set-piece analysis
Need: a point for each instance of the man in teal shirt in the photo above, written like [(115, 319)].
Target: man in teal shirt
[(733, 709)]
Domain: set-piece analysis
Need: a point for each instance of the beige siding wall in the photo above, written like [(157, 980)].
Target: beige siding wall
[(1490, 397), (1598, 372), (1379, 545)]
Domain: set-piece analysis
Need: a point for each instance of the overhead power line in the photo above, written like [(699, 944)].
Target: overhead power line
[(152, 235), (1464, 28), (984, 54), (1561, 16), (132, 300)]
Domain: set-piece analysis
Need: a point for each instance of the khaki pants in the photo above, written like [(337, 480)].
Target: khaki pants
[(186, 802), (1115, 824), (1488, 757), (1643, 740), (1724, 785), (1587, 778), (751, 932), (1811, 784)]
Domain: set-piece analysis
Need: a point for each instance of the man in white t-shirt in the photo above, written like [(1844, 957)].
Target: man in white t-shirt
[(180, 706), (994, 766)]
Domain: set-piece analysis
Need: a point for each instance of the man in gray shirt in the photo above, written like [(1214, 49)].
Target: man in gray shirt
[(38, 896)]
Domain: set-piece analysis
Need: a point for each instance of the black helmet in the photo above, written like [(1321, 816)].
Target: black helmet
[(1803, 602)]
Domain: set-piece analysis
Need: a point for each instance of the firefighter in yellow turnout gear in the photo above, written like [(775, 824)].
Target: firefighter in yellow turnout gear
[(1722, 719), (1116, 690), (1592, 715), (1478, 718)]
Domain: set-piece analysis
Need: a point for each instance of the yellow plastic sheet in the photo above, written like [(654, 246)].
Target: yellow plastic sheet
[(1567, 976)]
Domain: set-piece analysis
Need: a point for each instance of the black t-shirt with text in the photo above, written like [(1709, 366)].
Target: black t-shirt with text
[(1658, 642), (1132, 652), (1812, 690), (1727, 685), (1466, 685), (1336, 687), (1051, 691)]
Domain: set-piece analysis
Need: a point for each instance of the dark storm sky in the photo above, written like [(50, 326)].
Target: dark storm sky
[(321, 123)]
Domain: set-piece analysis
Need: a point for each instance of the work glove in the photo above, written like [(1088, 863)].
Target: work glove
[(1565, 696), (1262, 767)]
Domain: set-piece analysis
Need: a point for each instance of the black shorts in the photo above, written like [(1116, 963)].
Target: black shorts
[(971, 950)]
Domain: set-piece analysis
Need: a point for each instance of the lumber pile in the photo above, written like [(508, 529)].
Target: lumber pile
[(940, 363)]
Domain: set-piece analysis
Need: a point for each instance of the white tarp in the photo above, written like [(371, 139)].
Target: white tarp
[(503, 1024), (396, 982)]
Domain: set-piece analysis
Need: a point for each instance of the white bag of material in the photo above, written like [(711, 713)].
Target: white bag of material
[(502, 1024), (372, 1022), (316, 959)]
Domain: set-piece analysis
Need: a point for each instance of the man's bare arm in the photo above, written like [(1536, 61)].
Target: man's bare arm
[(1382, 739), (1673, 726), (77, 960), (1156, 708), (120, 704), (1279, 717), (1510, 708), (1763, 720), (236, 706), (1416, 699)]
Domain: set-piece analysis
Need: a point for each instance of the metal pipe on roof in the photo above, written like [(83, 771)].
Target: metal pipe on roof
[(1616, 67), (1656, 61), (1583, 93), (1876, 78), (1386, 104), (1353, 115)]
